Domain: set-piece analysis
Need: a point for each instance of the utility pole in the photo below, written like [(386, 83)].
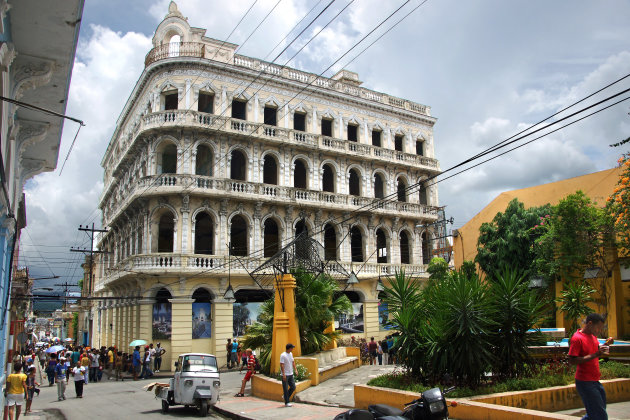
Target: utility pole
[(91, 251)]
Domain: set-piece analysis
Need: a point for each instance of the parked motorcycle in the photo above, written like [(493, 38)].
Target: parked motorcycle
[(430, 406)]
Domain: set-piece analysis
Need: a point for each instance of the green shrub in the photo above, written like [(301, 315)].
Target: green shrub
[(611, 369)]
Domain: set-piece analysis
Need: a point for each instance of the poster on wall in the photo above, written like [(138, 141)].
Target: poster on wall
[(161, 321), (351, 322), (245, 314), (383, 316), (202, 322)]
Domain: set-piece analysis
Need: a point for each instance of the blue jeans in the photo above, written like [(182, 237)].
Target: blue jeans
[(594, 399), (288, 387)]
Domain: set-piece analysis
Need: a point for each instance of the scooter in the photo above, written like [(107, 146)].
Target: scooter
[(430, 406)]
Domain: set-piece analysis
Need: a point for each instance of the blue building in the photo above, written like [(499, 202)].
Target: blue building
[(38, 40)]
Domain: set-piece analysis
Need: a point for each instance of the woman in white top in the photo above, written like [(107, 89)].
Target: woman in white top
[(79, 379)]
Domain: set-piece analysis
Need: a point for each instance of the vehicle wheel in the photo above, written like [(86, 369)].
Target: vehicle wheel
[(203, 408), (164, 406)]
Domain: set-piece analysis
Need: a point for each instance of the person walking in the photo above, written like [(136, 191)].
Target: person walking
[(85, 364), (136, 362), (372, 350), (31, 386), (94, 365), (251, 369), (385, 350), (287, 367), (584, 351), (118, 365), (79, 379), (157, 362), (234, 353), (228, 348), (15, 391), (50, 370), (61, 377), (379, 353)]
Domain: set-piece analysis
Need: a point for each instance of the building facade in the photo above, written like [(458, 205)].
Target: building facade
[(218, 160), (38, 40)]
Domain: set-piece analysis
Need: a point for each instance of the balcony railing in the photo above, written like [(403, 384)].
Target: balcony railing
[(221, 187), (198, 263), (171, 50)]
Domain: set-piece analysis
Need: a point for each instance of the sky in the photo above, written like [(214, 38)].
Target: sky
[(487, 69)]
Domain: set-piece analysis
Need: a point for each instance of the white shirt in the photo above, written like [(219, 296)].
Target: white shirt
[(286, 359), (78, 375), (95, 358)]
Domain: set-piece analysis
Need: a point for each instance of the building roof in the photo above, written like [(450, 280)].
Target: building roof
[(597, 186)]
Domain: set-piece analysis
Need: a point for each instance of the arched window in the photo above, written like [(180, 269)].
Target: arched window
[(426, 248), (302, 249), (402, 190), (423, 198), (330, 242), (204, 234), (270, 170), (173, 46), (356, 244), (299, 175), (379, 186), (238, 236), (354, 183), (238, 167), (328, 179), (166, 231), (203, 164), (271, 238), (381, 246), (202, 314), (167, 160), (405, 254)]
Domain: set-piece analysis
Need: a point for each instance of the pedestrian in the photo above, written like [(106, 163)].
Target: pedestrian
[(61, 377), (373, 351), (584, 351), (50, 370), (118, 366), (241, 356), (31, 386), (75, 356), (385, 352), (287, 367), (79, 379), (42, 358), (94, 365), (157, 362), (111, 356), (136, 362), (15, 391), (379, 353), (146, 364), (251, 369), (228, 348), (233, 354), (85, 364)]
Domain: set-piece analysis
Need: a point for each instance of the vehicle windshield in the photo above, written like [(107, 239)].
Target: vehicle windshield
[(194, 363)]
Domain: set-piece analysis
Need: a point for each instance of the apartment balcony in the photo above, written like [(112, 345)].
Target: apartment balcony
[(197, 264), (257, 192)]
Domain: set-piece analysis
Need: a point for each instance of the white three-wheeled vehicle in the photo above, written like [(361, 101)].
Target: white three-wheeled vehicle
[(196, 382)]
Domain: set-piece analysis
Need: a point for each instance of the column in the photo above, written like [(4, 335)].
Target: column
[(285, 325), (223, 326), (145, 308), (113, 337), (370, 316), (181, 325)]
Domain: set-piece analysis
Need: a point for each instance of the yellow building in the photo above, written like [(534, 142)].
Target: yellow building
[(597, 186)]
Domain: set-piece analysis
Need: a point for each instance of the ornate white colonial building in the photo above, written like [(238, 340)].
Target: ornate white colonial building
[(218, 160)]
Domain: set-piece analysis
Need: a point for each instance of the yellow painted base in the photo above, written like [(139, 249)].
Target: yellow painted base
[(271, 389)]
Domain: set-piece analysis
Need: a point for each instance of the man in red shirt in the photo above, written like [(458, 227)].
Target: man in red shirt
[(585, 352), (251, 367)]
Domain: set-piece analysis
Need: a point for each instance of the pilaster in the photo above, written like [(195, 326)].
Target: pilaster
[(145, 308), (223, 327), (181, 325)]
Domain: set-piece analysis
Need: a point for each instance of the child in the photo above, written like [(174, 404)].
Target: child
[(31, 386)]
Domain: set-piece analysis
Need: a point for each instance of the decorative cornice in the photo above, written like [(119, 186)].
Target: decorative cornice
[(31, 75)]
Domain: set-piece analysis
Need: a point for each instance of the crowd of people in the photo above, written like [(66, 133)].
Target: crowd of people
[(82, 365)]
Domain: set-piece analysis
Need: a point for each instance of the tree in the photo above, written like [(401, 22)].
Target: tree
[(507, 240), (574, 301), (618, 207)]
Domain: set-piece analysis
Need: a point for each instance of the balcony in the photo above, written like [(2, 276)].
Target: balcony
[(258, 192), (196, 264)]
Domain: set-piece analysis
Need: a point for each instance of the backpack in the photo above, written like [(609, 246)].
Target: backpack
[(257, 366)]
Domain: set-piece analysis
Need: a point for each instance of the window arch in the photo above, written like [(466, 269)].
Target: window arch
[(405, 252), (271, 238), (238, 236), (300, 174), (401, 189), (354, 183), (270, 170), (203, 162), (356, 244), (173, 46), (167, 159), (202, 295), (330, 242), (238, 166), (204, 234), (381, 246), (379, 186), (328, 178), (166, 232)]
